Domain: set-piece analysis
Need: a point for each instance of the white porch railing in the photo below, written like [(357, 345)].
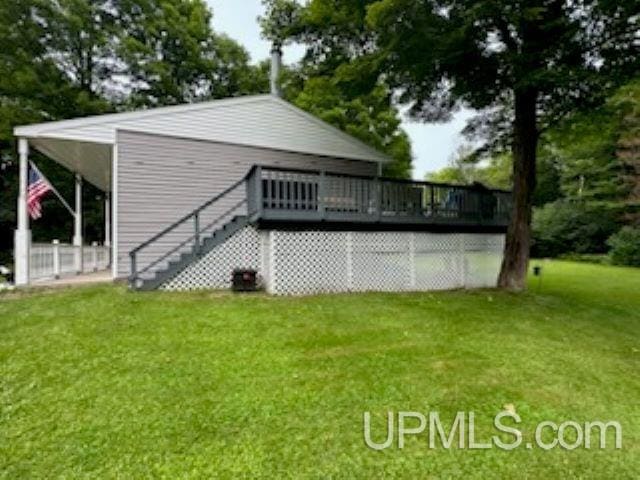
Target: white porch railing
[(53, 260)]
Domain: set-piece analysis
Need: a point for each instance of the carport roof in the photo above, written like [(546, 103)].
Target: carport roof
[(84, 145)]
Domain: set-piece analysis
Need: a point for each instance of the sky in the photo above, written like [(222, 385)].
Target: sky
[(432, 144)]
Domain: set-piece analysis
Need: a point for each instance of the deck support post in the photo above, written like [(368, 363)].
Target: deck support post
[(273, 238), (463, 260), (77, 225), (412, 261), (22, 236), (349, 240)]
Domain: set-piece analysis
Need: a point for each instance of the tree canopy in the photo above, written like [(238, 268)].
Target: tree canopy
[(588, 175), (524, 65), (494, 172), (319, 84), (172, 55), (71, 58)]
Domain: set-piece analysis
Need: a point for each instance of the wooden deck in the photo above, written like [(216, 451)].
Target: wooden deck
[(288, 196)]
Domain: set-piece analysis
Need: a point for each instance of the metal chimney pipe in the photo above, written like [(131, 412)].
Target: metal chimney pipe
[(276, 66)]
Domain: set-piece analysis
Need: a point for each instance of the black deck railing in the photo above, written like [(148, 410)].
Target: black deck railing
[(299, 195)]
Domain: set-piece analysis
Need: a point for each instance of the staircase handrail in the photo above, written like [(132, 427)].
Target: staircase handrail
[(134, 274)]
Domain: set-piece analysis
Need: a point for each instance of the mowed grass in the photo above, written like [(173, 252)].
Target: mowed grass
[(100, 382)]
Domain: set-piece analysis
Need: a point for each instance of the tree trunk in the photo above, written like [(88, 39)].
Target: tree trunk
[(513, 274)]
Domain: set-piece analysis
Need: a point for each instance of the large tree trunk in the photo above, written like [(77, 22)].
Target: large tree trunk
[(513, 274)]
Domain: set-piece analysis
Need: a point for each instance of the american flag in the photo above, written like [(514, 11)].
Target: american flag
[(38, 188)]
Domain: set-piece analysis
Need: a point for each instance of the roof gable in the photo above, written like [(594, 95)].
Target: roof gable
[(260, 121)]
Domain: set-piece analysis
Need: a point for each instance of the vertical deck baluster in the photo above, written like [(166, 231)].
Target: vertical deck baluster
[(259, 192), (433, 200), (287, 191), (307, 193), (346, 202), (314, 193), (371, 192), (366, 187), (322, 188), (379, 198), (274, 189), (394, 197), (268, 190)]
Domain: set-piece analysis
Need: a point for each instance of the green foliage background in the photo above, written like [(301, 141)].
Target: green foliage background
[(588, 177), (72, 58)]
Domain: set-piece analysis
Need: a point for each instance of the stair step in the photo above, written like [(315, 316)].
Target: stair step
[(175, 266)]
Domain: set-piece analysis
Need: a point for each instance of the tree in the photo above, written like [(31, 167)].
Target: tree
[(81, 39), (367, 117), (526, 64), (585, 147), (572, 226), (172, 55), (363, 109), (497, 172), (627, 104), (33, 88), (596, 176), (596, 152), (70, 58), (463, 169), (547, 178)]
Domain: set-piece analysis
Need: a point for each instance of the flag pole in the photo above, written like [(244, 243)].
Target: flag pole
[(53, 189)]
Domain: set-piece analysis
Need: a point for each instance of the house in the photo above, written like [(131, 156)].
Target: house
[(195, 191)]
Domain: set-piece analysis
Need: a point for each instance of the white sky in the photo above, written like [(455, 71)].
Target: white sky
[(432, 144)]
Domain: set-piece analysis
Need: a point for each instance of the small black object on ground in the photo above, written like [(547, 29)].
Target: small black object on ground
[(245, 280)]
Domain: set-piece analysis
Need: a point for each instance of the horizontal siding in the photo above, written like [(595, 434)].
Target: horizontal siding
[(162, 178)]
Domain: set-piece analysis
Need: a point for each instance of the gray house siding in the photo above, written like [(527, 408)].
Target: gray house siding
[(162, 178)]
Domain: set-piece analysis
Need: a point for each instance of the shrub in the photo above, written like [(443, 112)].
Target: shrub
[(625, 247), (565, 226)]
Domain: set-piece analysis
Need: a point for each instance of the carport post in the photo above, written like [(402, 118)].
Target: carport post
[(107, 219), (77, 225), (114, 211), (22, 237)]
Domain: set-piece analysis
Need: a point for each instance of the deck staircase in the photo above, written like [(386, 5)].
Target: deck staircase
[(196, 252), (203, 240)]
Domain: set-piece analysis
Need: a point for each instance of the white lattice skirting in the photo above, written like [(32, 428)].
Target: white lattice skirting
[(310, 262)]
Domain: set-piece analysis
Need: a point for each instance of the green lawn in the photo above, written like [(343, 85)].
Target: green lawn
[(100, 382)]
